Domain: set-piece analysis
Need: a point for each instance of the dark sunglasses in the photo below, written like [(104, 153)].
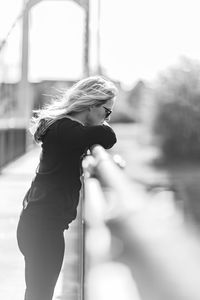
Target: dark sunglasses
[(108, 111)]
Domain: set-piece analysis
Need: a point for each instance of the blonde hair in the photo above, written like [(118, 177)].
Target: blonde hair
[(90, 91)]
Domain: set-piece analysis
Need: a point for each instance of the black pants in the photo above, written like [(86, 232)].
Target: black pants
[(43, 251)]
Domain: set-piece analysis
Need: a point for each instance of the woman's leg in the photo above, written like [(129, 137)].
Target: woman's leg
[(43, 251)]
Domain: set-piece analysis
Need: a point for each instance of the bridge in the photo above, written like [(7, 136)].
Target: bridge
[(136, 239)]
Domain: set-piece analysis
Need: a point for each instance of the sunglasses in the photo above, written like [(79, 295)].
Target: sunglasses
[(108, 111)]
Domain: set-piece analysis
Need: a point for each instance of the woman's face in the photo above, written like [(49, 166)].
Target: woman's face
[(98, 114)]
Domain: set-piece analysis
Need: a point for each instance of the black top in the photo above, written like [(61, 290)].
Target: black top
[(52, 200)]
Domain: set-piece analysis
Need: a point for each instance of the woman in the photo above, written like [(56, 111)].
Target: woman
[(66, 129)]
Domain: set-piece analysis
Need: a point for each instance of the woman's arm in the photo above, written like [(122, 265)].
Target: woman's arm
[(74, 135)]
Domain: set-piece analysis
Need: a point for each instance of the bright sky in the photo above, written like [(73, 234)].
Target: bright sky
[(138, 37)]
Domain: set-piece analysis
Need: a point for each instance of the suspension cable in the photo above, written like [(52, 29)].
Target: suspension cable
[(4, 41)]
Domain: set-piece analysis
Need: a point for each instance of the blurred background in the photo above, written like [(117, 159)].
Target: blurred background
[(151, 50)]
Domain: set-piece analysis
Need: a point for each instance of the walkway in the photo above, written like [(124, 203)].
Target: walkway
[(14, 181)]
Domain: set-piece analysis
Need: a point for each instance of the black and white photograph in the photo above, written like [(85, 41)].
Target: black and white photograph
[(99, 150)]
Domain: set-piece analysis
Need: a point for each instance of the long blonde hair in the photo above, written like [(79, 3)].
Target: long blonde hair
[(90, 91)]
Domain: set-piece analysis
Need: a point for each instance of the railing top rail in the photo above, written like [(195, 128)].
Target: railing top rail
[(160, 248), (10, 123)]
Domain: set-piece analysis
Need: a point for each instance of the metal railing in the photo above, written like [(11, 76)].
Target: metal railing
[(12, 144), (136, 246)]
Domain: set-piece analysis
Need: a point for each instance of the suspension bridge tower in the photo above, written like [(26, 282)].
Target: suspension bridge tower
[(25, 103)]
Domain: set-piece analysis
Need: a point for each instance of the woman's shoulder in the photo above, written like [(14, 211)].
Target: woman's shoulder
[(66, 127), (68, 122), (61, 128)]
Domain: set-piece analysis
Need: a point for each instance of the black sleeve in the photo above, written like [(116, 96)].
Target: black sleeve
[(74, 135)]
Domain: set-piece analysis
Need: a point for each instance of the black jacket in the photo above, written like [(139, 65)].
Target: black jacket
[(53, 196)]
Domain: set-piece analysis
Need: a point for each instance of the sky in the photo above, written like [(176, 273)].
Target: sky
[(138, 38)]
